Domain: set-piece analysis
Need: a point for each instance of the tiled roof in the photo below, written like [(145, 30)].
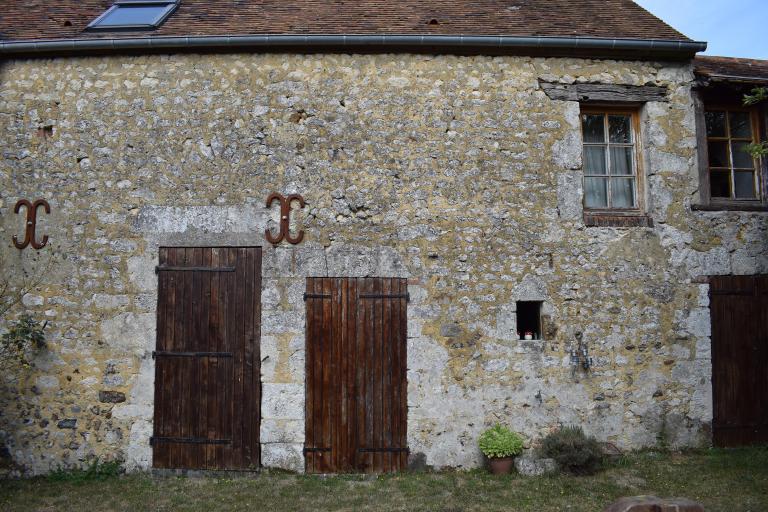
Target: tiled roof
[(729, 68), (67, 19)]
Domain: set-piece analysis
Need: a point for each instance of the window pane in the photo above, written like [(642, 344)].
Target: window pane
[(718, 154), (596, 192), (741, 128), (720, 184), (621, 161), (594, 160), (593, 128), (744, 182), (622, 192), (134, 15), (619, 129), (742, 159), (715, 124)]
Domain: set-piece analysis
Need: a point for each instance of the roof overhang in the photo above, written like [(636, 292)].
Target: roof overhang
[(643, 49), (733, 79)]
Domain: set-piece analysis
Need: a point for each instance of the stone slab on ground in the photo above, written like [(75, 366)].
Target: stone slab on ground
[(532, 466), (654, 504)]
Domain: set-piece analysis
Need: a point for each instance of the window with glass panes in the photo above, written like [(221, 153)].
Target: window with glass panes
[(732, 170), (610, 165)]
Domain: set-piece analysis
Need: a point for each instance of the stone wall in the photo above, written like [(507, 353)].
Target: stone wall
[(456, 172)]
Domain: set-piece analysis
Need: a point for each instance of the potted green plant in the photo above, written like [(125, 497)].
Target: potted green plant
[(501, 445)]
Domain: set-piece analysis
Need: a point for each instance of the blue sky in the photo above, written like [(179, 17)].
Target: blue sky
[(733, 28)]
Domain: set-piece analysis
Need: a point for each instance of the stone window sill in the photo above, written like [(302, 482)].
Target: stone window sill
[(616, 220)]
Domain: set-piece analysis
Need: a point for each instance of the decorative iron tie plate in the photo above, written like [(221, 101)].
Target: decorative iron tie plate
[(285, 218), (29, 234)]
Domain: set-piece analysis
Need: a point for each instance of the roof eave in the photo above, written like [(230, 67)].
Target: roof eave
[(735, 79), (604, 47)]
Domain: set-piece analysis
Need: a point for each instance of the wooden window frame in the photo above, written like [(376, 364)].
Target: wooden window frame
[(759, 118), (619, 217)]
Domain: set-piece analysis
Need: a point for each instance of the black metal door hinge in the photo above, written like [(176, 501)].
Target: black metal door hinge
[(187, 440), (190, 354)]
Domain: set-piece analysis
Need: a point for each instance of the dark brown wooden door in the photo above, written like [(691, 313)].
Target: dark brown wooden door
[(207, 365), (356, 389), (739, 311)]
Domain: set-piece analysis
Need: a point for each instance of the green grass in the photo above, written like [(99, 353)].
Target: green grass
[(728, 481)]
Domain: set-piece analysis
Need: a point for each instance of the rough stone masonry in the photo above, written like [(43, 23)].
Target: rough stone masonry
[(456, 172)]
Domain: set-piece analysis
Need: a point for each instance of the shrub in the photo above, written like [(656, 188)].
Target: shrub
[(23, 336), (500, 442), (573, 450)]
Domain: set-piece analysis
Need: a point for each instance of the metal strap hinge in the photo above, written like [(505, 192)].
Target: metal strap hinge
[(390, 450), (187, 440), (190, 354), (406, 296), (310, 450), (316, 296), (166, 268)]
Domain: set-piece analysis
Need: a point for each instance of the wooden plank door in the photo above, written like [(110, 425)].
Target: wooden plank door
[(207, 364), (356, 388), (739, 313)]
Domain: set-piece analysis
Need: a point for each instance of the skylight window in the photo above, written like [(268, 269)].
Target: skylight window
[(134, 14)]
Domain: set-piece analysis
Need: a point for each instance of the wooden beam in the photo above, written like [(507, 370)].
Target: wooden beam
[(604, 92)]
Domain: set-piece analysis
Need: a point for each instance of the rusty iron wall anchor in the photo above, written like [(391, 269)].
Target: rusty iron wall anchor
[(31, 224), (285, 218)]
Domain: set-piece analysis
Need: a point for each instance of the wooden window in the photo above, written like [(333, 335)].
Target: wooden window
[(611, 177), (733, 172)]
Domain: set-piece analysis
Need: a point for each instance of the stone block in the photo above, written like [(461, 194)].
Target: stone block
[(654, 504), (286, 456), (528, 465), (506, 322), (282, 401), (310, 260), (277, 322), (389, 263), (530, 289), (30, 300), (69, 423), (111, 397), (277, 261), (569, 192), (282, 431), (350, 261), (130, 332)]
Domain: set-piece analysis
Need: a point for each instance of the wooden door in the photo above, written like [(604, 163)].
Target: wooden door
[(356, 388), (739, 312), (207, 365)]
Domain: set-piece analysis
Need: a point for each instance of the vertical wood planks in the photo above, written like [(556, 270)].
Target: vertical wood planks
[(739, 314), (207, 385), (356, 403)]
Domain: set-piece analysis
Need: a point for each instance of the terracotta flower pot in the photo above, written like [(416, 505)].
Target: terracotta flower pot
[(501, 465)]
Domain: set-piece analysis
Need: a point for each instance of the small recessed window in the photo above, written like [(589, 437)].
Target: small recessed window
[(529, 320), (134, 14)]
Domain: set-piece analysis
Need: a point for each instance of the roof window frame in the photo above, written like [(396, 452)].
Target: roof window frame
[(171, 6)]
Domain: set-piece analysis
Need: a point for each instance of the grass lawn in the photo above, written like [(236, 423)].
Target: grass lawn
[(729, 481)]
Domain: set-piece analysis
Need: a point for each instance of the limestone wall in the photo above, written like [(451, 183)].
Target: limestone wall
[(456, 172)]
